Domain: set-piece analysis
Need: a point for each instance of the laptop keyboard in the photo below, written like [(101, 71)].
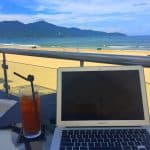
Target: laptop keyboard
[(106, 139)]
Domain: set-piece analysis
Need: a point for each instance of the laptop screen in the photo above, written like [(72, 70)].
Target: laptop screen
[(101, 95)]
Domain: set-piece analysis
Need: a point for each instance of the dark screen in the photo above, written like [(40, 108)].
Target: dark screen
[(101, 95)]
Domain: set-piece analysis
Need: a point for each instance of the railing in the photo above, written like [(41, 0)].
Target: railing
[(75, 56), (42, 83), (82, 57)]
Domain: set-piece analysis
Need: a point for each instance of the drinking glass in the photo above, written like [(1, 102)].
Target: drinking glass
[(30, 112)]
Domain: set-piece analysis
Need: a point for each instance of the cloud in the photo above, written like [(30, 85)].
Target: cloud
[(141, 4), (107, 15), (64, 19), (93, 6), (19, 17), (84, 7), (78, 9)]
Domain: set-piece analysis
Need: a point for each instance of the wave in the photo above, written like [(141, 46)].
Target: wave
[(21, 45), (124, 47)]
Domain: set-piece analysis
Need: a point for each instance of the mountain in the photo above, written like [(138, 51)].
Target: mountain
[(45, 29)]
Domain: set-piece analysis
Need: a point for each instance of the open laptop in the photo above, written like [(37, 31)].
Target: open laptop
[(101, 108)]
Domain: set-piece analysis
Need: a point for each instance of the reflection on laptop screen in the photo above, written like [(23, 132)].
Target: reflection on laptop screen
[(101, 95)]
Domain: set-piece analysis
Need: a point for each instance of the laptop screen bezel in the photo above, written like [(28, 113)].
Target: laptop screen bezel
[(61, 123)]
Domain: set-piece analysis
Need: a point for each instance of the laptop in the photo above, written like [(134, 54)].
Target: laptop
[(101, 108)]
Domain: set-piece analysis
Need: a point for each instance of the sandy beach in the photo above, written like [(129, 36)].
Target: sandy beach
[(45, 69)]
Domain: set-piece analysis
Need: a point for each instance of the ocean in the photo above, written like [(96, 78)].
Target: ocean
[(114, 43)]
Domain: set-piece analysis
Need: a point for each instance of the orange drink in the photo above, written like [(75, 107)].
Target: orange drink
[(30, 114)]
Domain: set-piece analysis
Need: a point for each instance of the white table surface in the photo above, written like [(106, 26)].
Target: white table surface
[(8, 142)]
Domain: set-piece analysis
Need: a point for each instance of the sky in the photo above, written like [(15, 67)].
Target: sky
[(127, 16)]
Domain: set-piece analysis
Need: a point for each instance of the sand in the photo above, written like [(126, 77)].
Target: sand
[(45, 69)]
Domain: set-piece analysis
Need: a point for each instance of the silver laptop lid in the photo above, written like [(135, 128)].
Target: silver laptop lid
[(102, 96)]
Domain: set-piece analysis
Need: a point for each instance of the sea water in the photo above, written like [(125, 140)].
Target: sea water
[(109, 42)]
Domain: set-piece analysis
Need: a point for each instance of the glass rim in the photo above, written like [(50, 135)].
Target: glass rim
[(27, 91)]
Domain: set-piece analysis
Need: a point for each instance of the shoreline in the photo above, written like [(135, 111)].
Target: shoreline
[(55, 63), (73, 49), (45, 69)]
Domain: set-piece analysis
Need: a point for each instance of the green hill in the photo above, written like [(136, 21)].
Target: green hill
[(45, 29)]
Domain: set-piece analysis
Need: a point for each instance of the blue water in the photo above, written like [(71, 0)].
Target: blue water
[(129, 42)]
